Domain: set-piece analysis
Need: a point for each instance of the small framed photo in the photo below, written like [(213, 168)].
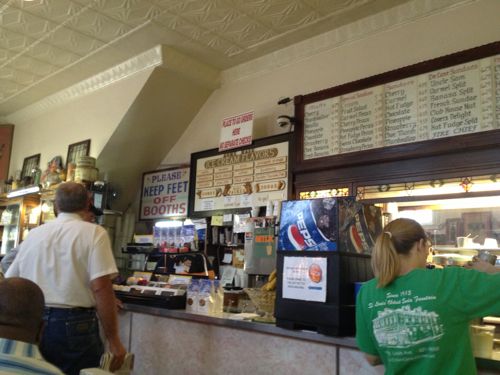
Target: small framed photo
[(29, 164), (76, 150)]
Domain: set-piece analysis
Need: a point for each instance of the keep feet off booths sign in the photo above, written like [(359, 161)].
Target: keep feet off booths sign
[(164, 194)]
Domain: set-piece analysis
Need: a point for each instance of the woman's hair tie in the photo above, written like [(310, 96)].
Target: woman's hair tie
[(389, 234)]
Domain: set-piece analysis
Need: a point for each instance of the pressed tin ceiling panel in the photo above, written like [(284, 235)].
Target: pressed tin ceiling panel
[(48, 45)]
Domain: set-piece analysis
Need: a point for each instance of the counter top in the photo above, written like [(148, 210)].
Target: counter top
[(223, 320)]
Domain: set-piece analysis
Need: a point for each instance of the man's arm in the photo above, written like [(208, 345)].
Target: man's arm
[(106, 310), (13, 269), (7, 260)]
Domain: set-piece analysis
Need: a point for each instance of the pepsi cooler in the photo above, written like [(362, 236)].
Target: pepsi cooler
[(324, 247)]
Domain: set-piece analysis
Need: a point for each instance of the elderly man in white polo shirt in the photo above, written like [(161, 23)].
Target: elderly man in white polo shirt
[(72, 262)]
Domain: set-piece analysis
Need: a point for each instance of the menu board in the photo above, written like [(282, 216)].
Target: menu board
[(247, 178), (361, 120), (461, 99)]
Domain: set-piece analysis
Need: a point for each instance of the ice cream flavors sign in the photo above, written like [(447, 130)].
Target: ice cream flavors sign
[(244, 178), (304, 278), (164, 194)]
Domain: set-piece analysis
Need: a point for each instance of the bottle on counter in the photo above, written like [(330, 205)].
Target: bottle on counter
[(216, 297), (269, 208)]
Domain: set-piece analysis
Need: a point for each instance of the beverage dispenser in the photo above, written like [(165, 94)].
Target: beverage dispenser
[(324, 248)]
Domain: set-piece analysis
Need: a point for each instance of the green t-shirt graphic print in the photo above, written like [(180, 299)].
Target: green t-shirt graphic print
[(419, 323)]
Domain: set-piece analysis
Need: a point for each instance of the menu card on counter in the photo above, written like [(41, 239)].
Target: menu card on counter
[(461, 99)]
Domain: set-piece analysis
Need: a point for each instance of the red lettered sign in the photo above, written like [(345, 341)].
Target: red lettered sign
[(236, 131)]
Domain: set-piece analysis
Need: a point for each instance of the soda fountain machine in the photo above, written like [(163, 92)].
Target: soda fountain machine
[(324, 248)]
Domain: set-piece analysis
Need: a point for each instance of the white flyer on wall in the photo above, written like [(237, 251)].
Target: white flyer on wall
[(304, 278), (236, 131)]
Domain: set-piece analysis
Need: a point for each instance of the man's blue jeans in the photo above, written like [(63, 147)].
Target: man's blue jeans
[(71, 339)]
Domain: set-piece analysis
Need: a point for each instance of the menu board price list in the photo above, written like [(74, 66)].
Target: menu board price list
[(496, 64), (401, 112), (486, 94), (458, 100), (318, 118), (423, 108), (361, 115)]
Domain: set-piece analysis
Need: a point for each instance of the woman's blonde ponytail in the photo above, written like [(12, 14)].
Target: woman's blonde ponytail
[(397, 239), (385, 260)]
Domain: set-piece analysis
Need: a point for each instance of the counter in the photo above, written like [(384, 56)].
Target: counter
[(174, 341)]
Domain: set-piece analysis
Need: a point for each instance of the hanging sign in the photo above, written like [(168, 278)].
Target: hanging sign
[(164, 194), (236, 131)]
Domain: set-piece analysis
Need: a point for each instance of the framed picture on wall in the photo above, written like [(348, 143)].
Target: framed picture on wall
[(29, 164), (6, 133), (75, 150)]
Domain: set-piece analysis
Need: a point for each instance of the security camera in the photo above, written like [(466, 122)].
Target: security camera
[(285, 120), (284, 100)]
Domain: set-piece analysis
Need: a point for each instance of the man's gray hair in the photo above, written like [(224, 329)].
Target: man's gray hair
[(71, 197)]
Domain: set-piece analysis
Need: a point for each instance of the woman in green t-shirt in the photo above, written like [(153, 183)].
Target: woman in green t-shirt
[(415, 320)]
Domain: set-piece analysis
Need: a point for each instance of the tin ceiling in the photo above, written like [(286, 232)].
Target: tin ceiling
[(48, 45)]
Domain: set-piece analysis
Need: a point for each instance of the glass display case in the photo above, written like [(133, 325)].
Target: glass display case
[(17, 218), (47, 212), (461, 215), (9, 224)]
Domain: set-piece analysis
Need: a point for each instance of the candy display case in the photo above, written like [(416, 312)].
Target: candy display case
[(18, 216)]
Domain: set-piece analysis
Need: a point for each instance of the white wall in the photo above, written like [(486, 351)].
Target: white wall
[(93, 116), (462, 27)]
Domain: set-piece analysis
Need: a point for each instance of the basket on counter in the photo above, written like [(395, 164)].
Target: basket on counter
[(264, 301)]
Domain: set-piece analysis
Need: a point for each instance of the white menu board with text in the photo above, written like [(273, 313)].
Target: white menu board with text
[(458, 100)]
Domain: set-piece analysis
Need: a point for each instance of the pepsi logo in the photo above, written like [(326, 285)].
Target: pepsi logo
[(300, 237), (295, 237)]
